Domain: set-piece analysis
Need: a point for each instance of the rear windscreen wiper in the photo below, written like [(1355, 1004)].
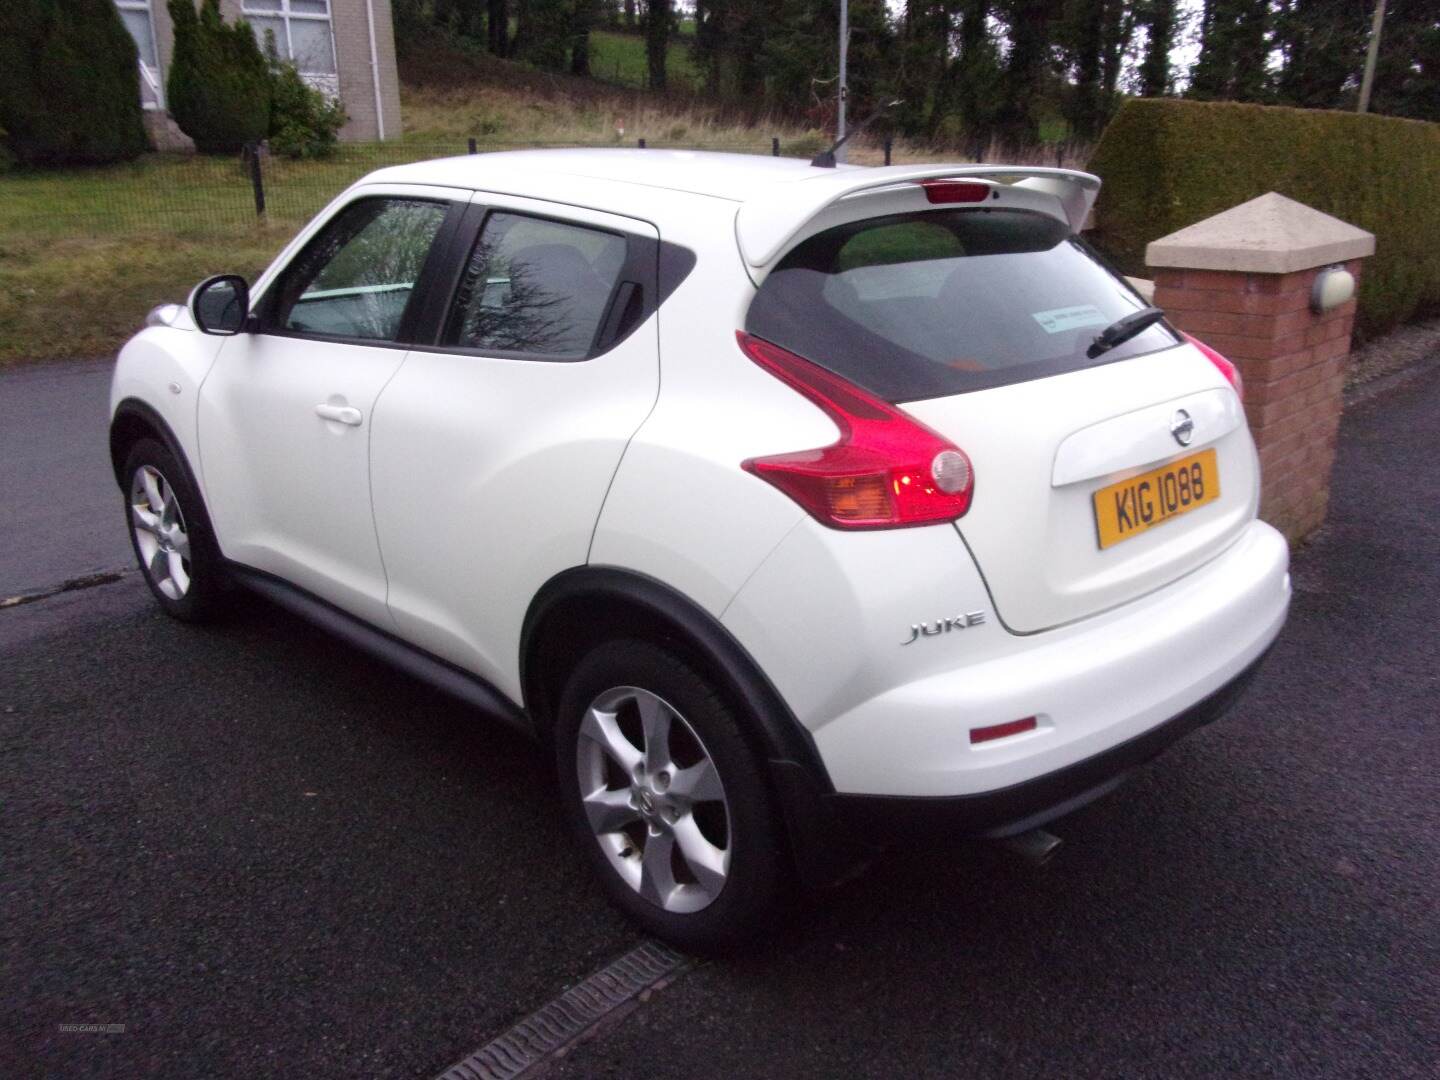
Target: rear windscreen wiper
[(1123, 329)]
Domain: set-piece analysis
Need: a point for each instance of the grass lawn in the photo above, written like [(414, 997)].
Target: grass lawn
[(74, 297), (620, 58), (85, 253)]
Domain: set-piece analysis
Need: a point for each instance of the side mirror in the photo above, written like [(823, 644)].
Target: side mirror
[(219, 305)]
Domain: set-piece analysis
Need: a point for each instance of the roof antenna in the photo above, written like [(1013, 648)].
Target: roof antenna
[(826, 158)]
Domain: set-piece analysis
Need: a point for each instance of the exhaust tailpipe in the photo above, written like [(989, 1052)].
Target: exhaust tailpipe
[(1036, 846)]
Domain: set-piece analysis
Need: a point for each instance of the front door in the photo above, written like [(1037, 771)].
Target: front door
[(285, 413)]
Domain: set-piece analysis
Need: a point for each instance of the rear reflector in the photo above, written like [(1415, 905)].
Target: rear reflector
[(887, 471), (954, 191), (1229, 370), (1002, 731)]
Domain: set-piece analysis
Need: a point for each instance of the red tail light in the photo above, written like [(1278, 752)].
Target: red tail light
[(887, 471), (954, 191), (1229, 370)]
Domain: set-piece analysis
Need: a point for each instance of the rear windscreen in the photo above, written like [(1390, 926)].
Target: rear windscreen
[(930, 304)]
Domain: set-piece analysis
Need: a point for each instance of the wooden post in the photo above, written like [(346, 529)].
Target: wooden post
[(256, 180)]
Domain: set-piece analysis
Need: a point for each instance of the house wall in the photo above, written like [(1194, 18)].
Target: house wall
[(352, 52), (164, 37)]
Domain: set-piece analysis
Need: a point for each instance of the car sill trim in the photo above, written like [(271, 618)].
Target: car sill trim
[(431, 670)]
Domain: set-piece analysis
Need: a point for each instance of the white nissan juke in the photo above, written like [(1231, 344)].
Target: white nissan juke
[(801, 511)]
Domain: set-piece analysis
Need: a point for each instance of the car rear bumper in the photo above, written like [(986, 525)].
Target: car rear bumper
[(1112, 692), (829, 830), (893, 820), (1091, 686)]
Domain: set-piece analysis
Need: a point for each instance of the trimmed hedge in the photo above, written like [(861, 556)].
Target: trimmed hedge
[(1167, 163), (69, 83)]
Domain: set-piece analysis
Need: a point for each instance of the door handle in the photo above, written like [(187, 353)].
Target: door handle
[(344, 414)]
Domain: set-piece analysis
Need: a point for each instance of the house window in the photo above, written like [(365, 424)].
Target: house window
[(135, 14), (301, 29)]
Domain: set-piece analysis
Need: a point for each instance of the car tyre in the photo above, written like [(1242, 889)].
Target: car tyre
[(667, 798), (171, 535)]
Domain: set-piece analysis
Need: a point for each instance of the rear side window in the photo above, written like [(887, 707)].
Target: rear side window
[(927, 305), (535, 287)]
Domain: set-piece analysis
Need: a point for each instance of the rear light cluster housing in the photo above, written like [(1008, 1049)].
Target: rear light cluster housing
[(1229, 370), (886, 471)]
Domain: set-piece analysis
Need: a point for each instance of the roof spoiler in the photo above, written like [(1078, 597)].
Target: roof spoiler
[(764, 225)]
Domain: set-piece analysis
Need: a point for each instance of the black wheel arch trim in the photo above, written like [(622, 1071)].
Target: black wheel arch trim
[(151, 418), (784, 738), (148, 415)]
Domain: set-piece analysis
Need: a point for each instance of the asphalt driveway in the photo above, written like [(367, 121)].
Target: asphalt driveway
[(262, 854), (55, 472)]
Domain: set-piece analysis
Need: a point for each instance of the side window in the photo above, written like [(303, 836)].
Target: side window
[(356, 278), (535, 286)]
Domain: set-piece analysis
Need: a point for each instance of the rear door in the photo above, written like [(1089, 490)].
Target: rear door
[(982, 324), (285, 413), (494, 446)]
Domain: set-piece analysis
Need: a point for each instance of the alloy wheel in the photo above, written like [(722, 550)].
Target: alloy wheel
[(654, 799), (159, 528)]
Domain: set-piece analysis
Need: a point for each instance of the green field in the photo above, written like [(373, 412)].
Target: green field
[(620, 58)]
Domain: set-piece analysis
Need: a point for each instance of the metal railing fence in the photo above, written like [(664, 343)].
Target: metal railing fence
[(196, 195)]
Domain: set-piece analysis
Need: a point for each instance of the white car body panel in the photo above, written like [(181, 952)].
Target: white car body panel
[(289, 490), (163, 367), (828, 618), (1142, 438), (1036, 544), (768, 224), (681, 510), (529, 447)]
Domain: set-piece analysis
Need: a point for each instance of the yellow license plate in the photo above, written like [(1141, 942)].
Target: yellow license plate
[(1134, 506)]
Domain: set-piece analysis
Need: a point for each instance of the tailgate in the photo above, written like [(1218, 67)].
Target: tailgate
[(1043, 449)]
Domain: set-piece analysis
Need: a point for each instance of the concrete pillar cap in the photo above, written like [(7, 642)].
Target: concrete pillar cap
[(1267, 235)]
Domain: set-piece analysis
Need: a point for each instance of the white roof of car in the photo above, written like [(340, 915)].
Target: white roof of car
[(736, 177), (776, 195)]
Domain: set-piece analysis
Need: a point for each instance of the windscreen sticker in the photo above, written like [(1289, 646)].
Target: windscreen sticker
[(1059, 320)]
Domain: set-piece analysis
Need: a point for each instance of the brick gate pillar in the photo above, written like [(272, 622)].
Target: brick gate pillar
[(1245, 283)]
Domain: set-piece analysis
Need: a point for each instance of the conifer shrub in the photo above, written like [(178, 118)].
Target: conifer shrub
[(69, 84), (219, 86)]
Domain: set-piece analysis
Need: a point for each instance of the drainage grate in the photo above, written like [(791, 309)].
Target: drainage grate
[(569, 1016)]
